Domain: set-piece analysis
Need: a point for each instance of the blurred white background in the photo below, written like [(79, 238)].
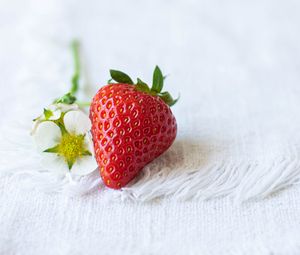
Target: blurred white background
[(238, 51)]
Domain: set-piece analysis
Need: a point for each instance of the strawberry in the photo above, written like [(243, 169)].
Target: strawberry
[(131, 125)]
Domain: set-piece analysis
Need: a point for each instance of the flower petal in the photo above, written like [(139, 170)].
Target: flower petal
[(77, 122), (47, 135), (84, 165), (54, 163), (35, 125), (88, 143)]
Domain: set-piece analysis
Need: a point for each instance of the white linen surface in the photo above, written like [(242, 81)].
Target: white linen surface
[(236, 67)]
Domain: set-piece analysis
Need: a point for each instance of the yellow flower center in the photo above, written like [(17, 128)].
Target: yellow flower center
[(71, 147)]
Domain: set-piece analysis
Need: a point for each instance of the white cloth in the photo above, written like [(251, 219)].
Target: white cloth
[(34, 223), (236, 68)]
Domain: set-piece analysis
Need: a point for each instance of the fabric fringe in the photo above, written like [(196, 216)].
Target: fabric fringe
[(171, 175), (242, 181)]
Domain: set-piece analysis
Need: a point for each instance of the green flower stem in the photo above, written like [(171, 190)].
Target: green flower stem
[(69, 98), (76, 75), (83, 104)]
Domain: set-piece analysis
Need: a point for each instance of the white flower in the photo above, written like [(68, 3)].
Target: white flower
[(52, 112), (66, 144)]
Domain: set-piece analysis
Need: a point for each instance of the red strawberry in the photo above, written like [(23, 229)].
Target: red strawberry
[(131, 125)]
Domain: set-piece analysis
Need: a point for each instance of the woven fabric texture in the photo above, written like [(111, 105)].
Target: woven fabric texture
[(235, 66)]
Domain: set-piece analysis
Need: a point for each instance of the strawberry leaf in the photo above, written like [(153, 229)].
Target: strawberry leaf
[(156, 89), (167, 98), (174, 101), (120, 77), (142, 86), (158, 80)]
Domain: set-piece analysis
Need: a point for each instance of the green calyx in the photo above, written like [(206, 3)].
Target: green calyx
[(48, 114), (155, 90)]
